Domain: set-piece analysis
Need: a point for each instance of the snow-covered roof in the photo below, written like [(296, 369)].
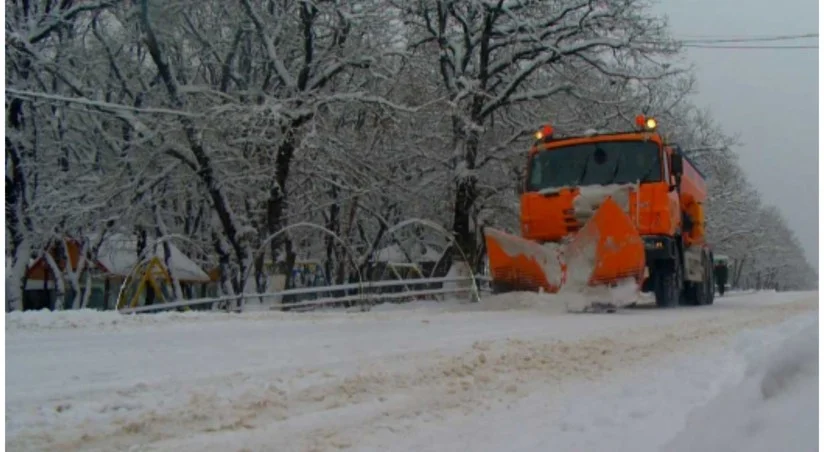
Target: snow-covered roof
[(118, 253), (418, 253)]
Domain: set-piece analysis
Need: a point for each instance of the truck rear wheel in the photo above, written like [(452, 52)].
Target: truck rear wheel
[(700, 293), (710, 282)]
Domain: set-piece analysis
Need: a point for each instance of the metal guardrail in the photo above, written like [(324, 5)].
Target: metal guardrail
[(365, 294)]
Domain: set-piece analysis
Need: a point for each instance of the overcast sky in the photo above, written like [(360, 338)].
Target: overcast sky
[(769, 97)]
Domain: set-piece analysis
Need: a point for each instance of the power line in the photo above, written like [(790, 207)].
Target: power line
[(748, 39), (717, 43), (747, 36), (756, 47)]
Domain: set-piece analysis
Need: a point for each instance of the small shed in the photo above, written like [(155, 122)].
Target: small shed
[(117, 259), (118, 256)]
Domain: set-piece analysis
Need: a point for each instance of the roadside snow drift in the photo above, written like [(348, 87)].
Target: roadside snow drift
[(513, 372), (774, 408)]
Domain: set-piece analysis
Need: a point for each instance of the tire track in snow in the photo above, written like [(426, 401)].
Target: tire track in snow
[(515, 366), (257, 414)]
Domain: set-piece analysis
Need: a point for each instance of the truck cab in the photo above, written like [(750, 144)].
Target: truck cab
[(566, 178)]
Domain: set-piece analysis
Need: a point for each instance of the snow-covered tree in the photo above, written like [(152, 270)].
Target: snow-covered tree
[(496, 55), (271, 130)]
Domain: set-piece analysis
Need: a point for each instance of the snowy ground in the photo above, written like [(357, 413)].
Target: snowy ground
[(510, 373)]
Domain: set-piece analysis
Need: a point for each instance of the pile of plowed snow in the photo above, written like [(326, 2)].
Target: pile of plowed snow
[(564, 301), (518, 301), (775, 407)]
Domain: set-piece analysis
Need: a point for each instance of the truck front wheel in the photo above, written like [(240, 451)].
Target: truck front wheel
[(666, 284)]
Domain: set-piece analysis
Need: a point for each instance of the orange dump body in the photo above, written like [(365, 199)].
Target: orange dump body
[(602, 246), (691, 201)]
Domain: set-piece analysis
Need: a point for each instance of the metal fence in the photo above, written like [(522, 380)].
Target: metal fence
[(364, 295)]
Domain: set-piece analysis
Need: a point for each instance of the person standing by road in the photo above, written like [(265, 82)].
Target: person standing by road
[(721, 277)]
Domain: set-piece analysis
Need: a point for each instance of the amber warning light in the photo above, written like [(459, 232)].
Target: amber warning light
[(545, 132), (646, 123)]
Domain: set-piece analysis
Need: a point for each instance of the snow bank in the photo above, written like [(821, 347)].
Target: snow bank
[(459, 269), (775, 407), (90, 319), (417, 306), (389, 381), (515, 301), (568, 299)]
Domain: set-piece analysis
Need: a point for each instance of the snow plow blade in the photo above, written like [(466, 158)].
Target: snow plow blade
[(607, 250), (518, 264)]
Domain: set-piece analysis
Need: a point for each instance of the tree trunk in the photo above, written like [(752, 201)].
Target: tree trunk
[(260, 276), (277, 202), (333, 224), (465, 197), (206, 172), (59, 284), (343, 254), (17, 223)]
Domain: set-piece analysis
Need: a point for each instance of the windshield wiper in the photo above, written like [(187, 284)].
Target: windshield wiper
[(583, 173), (615, 172), (649, 171)]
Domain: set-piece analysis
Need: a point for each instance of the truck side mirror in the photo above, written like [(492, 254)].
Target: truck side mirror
[(677, 164)]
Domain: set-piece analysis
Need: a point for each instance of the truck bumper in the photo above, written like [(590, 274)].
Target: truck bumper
[(659, 248)]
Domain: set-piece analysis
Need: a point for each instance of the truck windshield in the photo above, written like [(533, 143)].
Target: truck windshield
[(604, 163)]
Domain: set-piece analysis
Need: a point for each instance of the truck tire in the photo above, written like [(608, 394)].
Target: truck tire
[(692, 295), (702, 291), (666, 285), (710, 283), (498, 288), (698, 294), (711, 278)]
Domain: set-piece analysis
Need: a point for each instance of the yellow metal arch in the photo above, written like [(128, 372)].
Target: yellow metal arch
[(152, 275)]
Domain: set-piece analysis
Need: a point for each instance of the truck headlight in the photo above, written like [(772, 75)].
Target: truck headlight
[(654, 244)]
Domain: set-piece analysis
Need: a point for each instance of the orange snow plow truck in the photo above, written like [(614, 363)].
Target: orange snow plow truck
[(603, 209)]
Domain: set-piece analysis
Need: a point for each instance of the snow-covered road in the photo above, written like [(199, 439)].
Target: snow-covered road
[(499, 375)]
